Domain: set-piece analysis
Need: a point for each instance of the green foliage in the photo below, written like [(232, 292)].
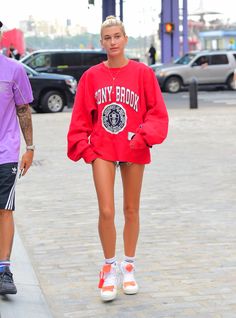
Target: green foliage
[(86, 40)]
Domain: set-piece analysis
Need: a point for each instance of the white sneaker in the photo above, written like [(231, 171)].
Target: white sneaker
[(108, 282), (129, 284)]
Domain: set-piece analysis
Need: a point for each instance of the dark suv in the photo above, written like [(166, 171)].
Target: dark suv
[(70, 62), (52, 92)]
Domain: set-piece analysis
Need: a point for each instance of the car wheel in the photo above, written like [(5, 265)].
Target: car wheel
[(231, 83), (52, 102), (173, 85)]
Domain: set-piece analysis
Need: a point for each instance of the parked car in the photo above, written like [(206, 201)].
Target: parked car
[(52, 92), (206, 67), (68, 62)]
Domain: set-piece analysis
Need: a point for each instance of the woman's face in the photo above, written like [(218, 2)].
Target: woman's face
[(113, 40)]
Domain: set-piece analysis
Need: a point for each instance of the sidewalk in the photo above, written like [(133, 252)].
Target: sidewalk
[(29, 301), (186, 261)]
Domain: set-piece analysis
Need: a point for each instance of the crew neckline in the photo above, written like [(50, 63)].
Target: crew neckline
[(116, 68)]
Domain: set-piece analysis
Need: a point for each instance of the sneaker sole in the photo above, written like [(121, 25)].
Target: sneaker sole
[(130, 292), (8, 292), (108, 297)]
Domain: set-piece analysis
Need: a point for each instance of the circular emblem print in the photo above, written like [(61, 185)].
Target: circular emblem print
[(114, 118)]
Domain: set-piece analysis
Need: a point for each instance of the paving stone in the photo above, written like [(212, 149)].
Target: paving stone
[(186, 263)]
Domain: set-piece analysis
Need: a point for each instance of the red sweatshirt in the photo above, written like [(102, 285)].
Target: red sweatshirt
[(118, 114)]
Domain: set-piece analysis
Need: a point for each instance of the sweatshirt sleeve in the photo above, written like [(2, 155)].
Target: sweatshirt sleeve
[(81, 124), (154, 128)]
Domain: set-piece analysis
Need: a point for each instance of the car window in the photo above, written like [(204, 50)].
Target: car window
[(93, 58), (66, 59), (219, 59), (234, 55), (29, 70), (186, 59), (40, 60), (204, 59)]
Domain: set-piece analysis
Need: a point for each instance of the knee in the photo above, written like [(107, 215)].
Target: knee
[(131, 213), (107, 214)]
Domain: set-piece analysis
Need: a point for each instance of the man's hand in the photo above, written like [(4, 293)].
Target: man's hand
[(26, 161)]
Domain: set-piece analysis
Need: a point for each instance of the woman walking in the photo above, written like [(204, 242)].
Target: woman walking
[(118, 115)]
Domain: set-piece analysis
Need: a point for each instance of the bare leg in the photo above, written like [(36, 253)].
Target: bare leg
[(132, 176), (6, 234), (104, 178)]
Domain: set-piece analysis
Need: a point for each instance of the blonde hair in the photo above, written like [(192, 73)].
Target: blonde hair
[(110, 21)]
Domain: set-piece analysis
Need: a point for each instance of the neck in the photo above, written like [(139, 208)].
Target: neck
[(116, 62)]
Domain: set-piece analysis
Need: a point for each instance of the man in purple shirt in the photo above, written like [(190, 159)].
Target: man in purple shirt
[(15, 96)]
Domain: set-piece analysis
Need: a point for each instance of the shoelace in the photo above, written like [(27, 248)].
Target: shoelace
[(128, 272), (7, 276)]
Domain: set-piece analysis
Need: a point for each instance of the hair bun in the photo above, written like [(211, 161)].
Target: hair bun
[(110, 21), (109, 17)]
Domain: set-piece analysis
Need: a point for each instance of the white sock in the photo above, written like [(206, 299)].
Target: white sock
[(129, 259), (110, 260)]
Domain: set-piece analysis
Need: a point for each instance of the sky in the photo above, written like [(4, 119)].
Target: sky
[(140, 16)]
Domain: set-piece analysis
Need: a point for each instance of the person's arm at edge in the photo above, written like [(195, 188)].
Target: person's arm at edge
[(25, 121)]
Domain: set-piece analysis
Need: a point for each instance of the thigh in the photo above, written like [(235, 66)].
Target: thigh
[(8, 173), (132, 177), (104, 179)]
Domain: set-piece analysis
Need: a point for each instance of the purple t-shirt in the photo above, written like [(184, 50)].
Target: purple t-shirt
[(15, 90)]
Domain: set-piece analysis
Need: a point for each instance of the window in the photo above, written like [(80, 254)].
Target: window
[(219, 59), (202, 60), (186, 59), (41, 60), (93, 58), (67, 59)]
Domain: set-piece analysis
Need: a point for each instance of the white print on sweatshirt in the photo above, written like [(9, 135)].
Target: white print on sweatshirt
[(122, 95)]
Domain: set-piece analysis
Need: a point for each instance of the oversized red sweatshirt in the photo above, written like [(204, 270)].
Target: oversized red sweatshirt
[(118, 114)]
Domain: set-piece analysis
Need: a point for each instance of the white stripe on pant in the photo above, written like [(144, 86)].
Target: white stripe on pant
[(10, 200)]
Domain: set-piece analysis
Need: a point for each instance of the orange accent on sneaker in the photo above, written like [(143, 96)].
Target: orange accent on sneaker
[(106, 268), (126, 284), (108, 288), (129, 267), (101, 282)]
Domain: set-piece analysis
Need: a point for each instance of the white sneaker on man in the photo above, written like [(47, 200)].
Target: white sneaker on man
[(108, 282), (129, 284)]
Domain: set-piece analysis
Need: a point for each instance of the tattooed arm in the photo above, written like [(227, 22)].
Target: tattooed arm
[(25, 120)]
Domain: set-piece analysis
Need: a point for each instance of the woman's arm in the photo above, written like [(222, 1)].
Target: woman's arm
[(155, 126), (81, 125)]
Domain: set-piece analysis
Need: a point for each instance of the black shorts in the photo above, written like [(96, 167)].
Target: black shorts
[(8, 174), (119, 163)]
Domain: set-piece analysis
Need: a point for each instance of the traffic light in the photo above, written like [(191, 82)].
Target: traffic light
[(169, 27)]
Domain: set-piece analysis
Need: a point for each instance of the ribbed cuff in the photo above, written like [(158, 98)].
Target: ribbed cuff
[(89, 155)]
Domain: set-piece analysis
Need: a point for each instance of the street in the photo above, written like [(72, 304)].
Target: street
[(206, 98), (186, 263)]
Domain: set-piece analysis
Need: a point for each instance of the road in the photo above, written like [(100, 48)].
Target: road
[(210, 98), (186, 263)]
